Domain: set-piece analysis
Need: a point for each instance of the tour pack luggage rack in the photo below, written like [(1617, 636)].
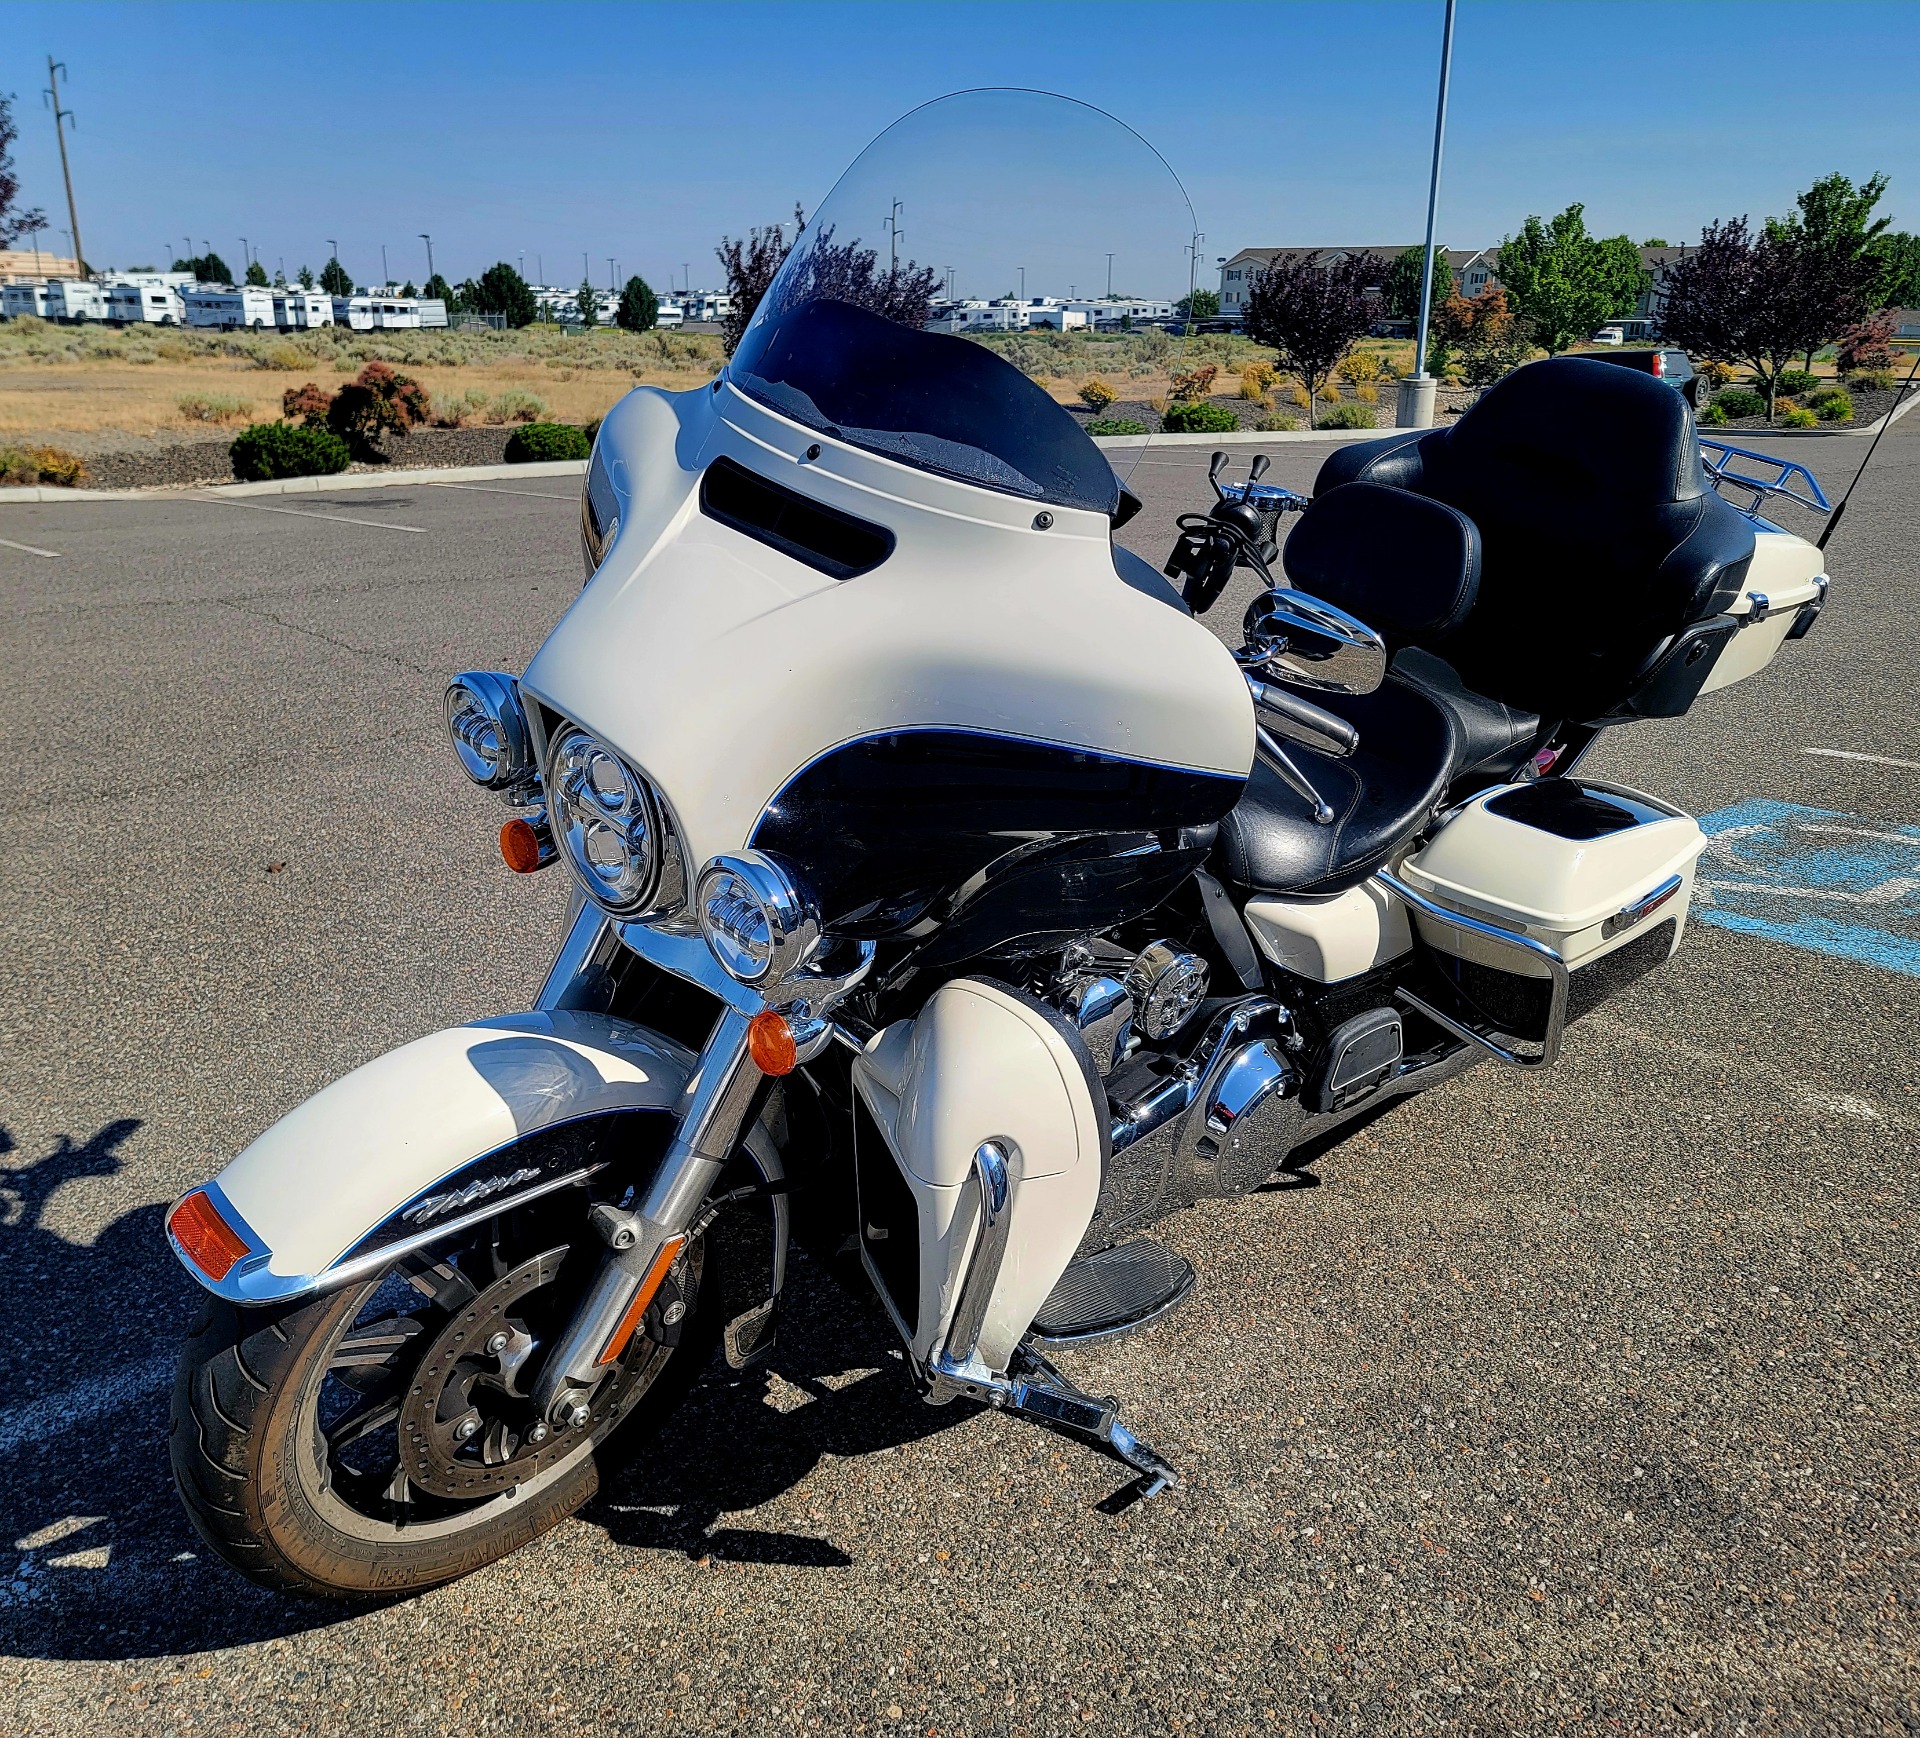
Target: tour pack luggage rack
[(1779, 480)]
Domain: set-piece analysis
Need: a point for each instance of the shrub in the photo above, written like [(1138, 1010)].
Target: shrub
[(1329, 393), (1114, 425), (1250, 388), (1715, 374), (1297, 396), (1834, 406), (1354, 415), (1197, 416), (31, 465), (378, 403), (1800, 417), (1362, 367), (541, 441), (1367, 393), (310, 403), (1713, 417), (1197, 384), (1274, 423), (1794, 381), (517, 404), (278, 449), (214, 407), (287, 358), (458, 412), (1871, 380), (1096, 395), (1737, 401)]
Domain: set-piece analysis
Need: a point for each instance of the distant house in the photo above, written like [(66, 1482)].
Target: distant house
[(1473, 269), (1906, 325), (26, 265)]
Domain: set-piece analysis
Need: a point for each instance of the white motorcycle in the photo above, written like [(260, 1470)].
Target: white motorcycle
[(944, 890)]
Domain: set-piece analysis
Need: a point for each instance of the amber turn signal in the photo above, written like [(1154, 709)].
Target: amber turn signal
[(207, 1240), (649, 1288), (770, 1043), (526, 845)]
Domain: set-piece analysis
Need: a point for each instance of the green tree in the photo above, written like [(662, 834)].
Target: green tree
[(639, 307), (1656, 241), (207, 268), (257, 274), (502, 290), (334, 279), (437, 289), (1899, 256), (280, 280), (1564, 282), (1201, 305), (1834, 230), (305, 275), (407, 288), (1400, 290), (586, 299)]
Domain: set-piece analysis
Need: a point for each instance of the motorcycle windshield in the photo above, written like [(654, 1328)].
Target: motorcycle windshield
[(994, 270)]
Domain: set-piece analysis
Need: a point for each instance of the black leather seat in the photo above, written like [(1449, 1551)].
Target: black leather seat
[(1398, 775), (1491, 738)]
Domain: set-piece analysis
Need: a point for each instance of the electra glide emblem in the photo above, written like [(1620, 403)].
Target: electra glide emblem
[(478, 1190)]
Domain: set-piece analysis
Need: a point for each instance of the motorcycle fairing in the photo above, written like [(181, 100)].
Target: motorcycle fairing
[(470, 1120), (722, 666)]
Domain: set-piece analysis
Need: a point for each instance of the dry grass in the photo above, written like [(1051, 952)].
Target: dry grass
[(82, 380)]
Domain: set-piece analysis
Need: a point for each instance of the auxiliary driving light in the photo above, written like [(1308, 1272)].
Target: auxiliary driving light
[(758, 923), (603, 816), (489, 730)]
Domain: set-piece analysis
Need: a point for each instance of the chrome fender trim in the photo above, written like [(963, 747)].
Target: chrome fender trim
[(437, 1135)]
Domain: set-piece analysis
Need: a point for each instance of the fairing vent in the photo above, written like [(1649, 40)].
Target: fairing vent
[(832, 542)]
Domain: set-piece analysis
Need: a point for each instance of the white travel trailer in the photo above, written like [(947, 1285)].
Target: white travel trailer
[(354, 312), (433, 311), (136, 304), (19, 299), (224, 308), (396, 314), (707, 305), (669, 316), (75, 299), (302, 310)]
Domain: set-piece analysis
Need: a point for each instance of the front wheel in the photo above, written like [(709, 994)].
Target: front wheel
[(381, 1439)]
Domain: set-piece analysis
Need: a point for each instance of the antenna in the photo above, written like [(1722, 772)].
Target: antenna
[(1886, 422), (52, 94)]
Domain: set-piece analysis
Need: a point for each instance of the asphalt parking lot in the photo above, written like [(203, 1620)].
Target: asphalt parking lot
[(1578, 1402)]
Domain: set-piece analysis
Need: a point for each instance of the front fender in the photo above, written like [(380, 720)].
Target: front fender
[(448, 1129)]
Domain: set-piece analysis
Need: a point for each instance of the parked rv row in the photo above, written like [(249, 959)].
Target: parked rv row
[(148, 300)]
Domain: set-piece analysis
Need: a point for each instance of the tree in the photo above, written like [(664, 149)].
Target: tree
[(207, 268), (1489, 339), (750, 267), (1834, 229), (257, 274), (407, 288), (1564, 282), (587, 301), (1313, 315), (502, 290), (1201, 305), (1656, 241), (334, 279), (1400, 292), (1899, 256), (437, 289), (639, 307), (305, 275), (1868, 347), (1764, 300), (13, 224), (280, 280)]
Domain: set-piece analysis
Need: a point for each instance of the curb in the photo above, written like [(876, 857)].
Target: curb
[(1244, 438), (310, 485)]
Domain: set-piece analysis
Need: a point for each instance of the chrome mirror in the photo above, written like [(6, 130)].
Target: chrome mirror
[(1295, 637)]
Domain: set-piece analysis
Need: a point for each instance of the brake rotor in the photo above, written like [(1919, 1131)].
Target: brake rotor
[(468, 1427)]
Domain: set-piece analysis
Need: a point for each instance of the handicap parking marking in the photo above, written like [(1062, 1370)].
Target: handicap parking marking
[(1818, 879)]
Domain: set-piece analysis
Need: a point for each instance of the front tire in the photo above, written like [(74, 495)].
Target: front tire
[(295, 1428)]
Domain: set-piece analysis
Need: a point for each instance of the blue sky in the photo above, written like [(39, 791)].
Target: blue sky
[(644, 132)]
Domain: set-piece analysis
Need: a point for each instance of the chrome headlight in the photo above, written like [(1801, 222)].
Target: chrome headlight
[(604, 818), (489, 729), (758, 922)]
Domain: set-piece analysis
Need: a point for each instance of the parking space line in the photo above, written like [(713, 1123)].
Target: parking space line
[(50, 554), (1875, 759), (483, 489), (303, 513)]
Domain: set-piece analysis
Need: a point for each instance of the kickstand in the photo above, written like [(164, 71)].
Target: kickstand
[(1038, 1391)]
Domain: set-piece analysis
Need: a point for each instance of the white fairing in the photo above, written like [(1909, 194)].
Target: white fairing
[(721, 667), (1331, 940), (329, 1172), (979, 1064)]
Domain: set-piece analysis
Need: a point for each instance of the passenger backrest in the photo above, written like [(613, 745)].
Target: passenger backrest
[(1601, 538)]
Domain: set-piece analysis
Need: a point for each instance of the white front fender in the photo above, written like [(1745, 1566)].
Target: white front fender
[(443, 1130)]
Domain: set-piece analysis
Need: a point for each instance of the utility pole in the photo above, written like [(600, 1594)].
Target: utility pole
[(1193, 275), (1109, 277), (60, 116), (429, 241), (1023, 283), (893, 237), (1417, 393), (246, 258), (613, 277), (386, 277)]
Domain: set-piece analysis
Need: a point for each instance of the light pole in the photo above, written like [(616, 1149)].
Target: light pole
[(1109, 277), (429, 241), (1417, 393), (246, 256), (386, 276), (1023, 283), (613, 276)]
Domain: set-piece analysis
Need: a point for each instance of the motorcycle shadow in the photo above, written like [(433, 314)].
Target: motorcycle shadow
[(834, 1385), (97, 1559)]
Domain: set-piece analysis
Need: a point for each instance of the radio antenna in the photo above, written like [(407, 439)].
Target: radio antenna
[(1886, 422)]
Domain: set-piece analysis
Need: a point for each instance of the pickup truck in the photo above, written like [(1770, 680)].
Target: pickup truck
[(1675, 367)]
